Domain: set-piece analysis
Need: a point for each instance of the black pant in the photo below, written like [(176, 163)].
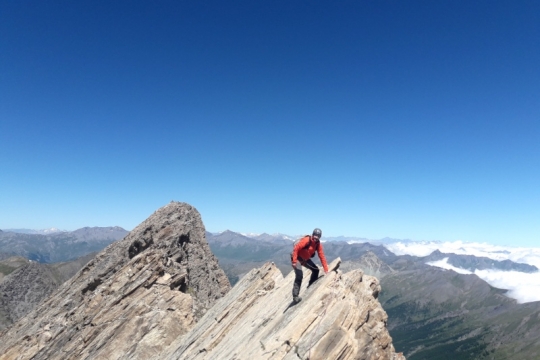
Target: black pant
[(299, 275)]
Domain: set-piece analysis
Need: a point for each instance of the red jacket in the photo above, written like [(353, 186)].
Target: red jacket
[(305, 248)]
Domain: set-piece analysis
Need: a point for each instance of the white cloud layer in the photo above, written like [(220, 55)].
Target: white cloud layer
[(445, 265), (523, 255), (523, 287)]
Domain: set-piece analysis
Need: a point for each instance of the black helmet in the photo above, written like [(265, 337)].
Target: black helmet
[(317, 232)]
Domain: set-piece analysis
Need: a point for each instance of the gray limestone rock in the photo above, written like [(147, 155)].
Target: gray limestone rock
[(339, 317), (27, 283), (132, 300), (370, 264), (24, 288)]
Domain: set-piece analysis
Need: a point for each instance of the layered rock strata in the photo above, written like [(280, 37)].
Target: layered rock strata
[(338, 318), (132, 300)]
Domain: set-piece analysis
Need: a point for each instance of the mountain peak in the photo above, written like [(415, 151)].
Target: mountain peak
[(132, 299)]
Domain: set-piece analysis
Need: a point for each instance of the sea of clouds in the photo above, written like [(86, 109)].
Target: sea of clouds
[(523, 287)]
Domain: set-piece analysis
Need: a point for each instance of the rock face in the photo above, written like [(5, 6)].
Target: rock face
[(8, 264), (23, 289), (132, 300), (370, 265), (338, 318), (28, 283)]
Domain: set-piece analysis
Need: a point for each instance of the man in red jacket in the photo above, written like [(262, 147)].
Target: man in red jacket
[(302, 253)]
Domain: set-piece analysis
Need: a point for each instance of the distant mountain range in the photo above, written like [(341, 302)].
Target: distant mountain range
[(237, 246), (32, 231), (59, 246), (279, 236)]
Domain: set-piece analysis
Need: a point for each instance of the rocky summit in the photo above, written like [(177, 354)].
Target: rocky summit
[(339, 317), (132, 300)]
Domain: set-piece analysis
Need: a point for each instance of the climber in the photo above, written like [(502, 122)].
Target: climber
[(302, 253)]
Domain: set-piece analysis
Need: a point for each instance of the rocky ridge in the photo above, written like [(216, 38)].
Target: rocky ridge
[(370, 265), (338, 318), (23, 289), (27, 283), (9, 263), (132, 300)]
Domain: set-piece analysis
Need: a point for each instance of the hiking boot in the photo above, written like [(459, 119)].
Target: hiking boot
[(297, 299)]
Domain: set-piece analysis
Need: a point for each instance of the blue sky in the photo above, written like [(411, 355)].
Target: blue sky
[(417, 119)]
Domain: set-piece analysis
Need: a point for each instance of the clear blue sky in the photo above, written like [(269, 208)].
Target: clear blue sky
[(409, 119)]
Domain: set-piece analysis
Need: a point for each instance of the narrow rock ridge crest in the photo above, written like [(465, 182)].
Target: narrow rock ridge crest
[(338, 318)]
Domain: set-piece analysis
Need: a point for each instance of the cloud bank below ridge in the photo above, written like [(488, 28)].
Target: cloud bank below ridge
[(523, 287)]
